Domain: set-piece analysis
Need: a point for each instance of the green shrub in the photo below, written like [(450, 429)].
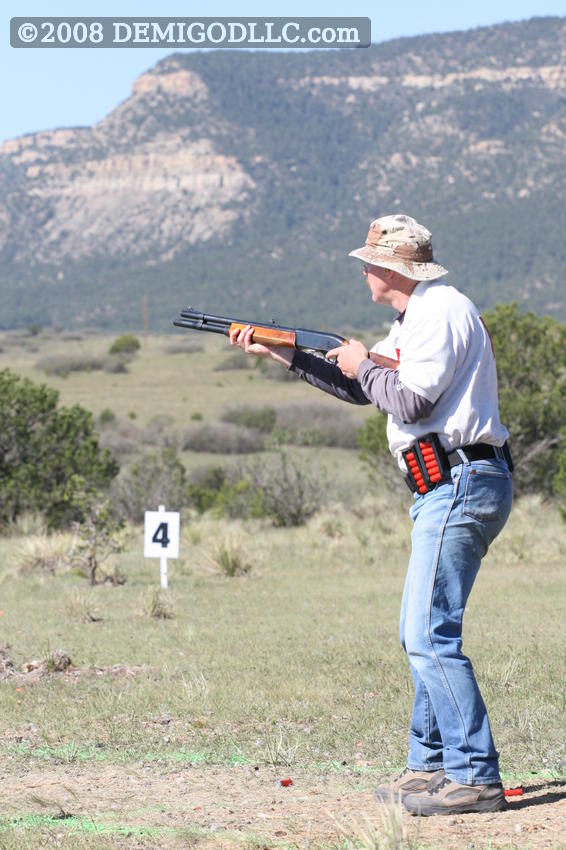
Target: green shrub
[(99, 533), (158, 432), (273, 371), (314, 424), (41, 447), (228, 559), (121, 437), (531, 369), (204, 487), (106, 416), (116, 364), (236, 360), (559, 483), (63, 364), (376, 457), (261, 418), (153, 479), (286, 491), (223, 438), (125, 344), (158, 604)]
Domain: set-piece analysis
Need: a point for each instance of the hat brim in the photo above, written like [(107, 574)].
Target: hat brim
[(414, 271)]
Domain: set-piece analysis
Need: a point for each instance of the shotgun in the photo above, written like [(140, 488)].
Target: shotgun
[(318, 342)]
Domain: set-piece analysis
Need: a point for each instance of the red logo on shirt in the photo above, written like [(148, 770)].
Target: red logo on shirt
[(398, 353)]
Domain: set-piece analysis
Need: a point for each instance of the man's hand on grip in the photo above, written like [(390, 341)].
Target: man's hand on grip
[(349, 356)]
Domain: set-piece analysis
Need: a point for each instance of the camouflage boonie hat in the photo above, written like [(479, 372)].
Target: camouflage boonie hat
[(400, 243)]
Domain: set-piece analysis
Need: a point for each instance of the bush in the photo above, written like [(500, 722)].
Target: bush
[(261, 418), (41, 448), (531, 369), (304, 424), (63, 364), (158, 604), (99, 532), (227, 558), (376, 457), (121, 436), (116, 365), (153, 479), (204, 487), (106, 416), (288, 492), (237, 360), (559, 483), (125, 344), (311, 424), (273, 371), (158, 432), (223, 439)]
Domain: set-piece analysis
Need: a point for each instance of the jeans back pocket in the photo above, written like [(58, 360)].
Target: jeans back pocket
[(489, 494)]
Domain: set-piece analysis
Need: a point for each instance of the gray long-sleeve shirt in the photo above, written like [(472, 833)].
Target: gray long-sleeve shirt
[(374, 384)]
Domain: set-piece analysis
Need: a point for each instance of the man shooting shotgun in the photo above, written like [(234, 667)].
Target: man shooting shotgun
[(444, 429)]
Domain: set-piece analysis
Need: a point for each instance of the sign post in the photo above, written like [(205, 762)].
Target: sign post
[(161, 538)]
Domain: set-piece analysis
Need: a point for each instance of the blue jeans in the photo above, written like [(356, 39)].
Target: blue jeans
[(453, 527)]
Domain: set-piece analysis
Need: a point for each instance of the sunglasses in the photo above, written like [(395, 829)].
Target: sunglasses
[(366, 269)]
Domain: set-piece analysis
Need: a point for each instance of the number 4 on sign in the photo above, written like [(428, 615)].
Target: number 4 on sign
[(161, 537)]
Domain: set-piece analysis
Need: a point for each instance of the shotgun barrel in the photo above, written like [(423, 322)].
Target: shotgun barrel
[(271, 334)]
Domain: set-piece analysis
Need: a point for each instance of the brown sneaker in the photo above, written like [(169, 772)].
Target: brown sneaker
[(409, 782), (447, 797)]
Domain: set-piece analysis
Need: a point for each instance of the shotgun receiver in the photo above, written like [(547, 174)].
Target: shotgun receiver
[(318, 342)]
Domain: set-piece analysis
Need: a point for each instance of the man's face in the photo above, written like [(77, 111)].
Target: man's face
[(379, 283)]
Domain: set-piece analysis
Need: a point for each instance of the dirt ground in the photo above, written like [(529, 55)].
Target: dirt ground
[(243, 806)]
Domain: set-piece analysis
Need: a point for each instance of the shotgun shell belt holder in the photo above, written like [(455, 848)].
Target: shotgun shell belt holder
[(427, 464)]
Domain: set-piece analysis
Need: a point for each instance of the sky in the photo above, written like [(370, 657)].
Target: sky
[(47, 88)]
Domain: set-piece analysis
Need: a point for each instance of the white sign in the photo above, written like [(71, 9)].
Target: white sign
[(161, 534)]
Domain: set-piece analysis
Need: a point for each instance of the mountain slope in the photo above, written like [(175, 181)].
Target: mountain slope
[(239, 181)]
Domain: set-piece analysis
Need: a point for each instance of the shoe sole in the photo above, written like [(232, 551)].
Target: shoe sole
[(482, 807)]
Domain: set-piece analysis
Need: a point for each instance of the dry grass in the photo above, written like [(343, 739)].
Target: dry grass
[(158, 604), (227, 558), (44, 552)]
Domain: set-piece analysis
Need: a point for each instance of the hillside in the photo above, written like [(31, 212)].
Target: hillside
[(238, 182)]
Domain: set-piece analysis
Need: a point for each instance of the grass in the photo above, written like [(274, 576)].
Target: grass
[(293, 665), (317, 664)]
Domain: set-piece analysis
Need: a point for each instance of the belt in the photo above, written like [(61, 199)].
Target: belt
[(479, 451)]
